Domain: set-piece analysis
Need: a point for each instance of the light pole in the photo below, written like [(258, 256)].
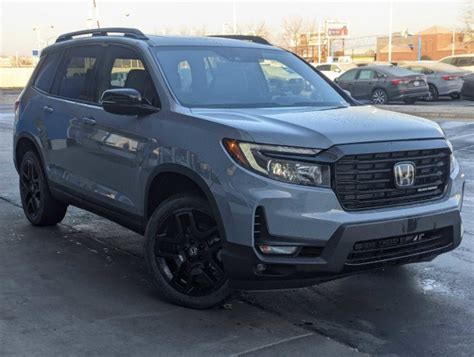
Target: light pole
[(38, 37), (390, 32)]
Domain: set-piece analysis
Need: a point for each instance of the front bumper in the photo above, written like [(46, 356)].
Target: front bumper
[(313, 217), (251, 270)]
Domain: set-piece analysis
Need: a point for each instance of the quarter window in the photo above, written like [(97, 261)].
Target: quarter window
[(47, 71)]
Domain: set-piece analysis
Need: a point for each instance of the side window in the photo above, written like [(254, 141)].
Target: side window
[(448, 60), (416, 69), (324, 67), (335, 68), (78, 80), (464, 61), (349, 75), (365, 74), (126, 69), (45, 76)]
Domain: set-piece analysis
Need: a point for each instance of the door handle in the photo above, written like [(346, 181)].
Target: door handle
[(48, 109), (88, 121)]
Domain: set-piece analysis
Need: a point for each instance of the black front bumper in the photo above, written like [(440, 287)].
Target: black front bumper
[(244, 265)]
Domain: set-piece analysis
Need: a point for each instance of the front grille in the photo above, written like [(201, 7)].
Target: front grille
[(373, 251), (367, 180)]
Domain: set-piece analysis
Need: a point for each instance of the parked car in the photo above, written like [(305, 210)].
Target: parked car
[(465, 62), (443, 79), (468, 87), (382, 84), (334, 70), (234, 182)]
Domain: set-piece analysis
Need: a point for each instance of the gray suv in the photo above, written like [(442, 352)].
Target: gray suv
[(243, 166)]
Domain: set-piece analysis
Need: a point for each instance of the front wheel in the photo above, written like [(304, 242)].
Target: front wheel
[(433, 94), (183, 252), (379, 96)]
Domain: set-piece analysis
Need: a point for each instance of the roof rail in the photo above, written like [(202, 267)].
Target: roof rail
[(127, 32), (256, 39)]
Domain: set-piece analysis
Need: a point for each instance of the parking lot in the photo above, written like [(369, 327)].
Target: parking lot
[(81, 288)]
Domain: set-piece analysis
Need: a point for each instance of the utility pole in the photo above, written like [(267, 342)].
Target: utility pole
[(390, 32), (319, 41), (452, 45)]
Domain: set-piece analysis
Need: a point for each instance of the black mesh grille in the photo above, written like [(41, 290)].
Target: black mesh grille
[(367, 180), (372, 251)]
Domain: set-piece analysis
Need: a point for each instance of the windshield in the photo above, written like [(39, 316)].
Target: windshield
[(243, 78)]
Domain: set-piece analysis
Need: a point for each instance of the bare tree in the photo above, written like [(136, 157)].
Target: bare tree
[(468, 20), (292, 28)]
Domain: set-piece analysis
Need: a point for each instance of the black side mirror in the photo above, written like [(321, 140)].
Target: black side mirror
[(125, 101)]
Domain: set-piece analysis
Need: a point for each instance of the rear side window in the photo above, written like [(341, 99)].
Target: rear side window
[(465, 61), (78, 79), (366, 74), (47, 71)]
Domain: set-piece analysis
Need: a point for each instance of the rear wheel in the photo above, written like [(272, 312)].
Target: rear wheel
[(379, 96), (183, 252), (433, 94), (39, 206)]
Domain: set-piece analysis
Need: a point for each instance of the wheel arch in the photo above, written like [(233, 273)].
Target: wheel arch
[(22, 143), (184, 173)]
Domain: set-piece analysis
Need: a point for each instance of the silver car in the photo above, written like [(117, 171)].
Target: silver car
[(443, 79)]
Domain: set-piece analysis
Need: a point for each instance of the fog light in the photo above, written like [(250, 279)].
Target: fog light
[(277, 249)]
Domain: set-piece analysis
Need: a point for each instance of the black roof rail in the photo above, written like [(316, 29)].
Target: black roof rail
[(256, 39), (127, 32)]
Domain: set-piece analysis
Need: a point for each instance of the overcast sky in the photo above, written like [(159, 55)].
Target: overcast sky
[(18, 18)]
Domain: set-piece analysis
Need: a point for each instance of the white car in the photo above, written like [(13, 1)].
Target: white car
[(334, 70), (462, 61)]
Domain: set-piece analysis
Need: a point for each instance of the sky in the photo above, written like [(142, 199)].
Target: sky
[(364, 18)]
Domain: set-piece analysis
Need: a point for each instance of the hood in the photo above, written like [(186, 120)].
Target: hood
[(322, 128)]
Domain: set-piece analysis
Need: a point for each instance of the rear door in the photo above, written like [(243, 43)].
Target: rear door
[(74, 97), (364, 84)]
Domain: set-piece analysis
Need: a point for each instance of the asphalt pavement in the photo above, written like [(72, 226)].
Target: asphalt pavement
[(81, 288)]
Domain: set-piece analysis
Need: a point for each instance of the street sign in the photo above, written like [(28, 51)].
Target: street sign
[(35, 53)]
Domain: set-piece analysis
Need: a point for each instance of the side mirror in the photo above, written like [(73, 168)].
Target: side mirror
[(125, 101), (336, 80), (337, 70), (348, 93)]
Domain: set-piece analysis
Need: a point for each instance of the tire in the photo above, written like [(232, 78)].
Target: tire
[(455, 96), (183, 252), (433, 95), (379, 96), (410, 101), (39, 206)]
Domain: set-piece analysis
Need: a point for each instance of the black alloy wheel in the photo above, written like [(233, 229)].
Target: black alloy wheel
[(184, 252)]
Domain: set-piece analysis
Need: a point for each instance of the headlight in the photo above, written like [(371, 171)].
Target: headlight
[(452, 160), (282, 163)]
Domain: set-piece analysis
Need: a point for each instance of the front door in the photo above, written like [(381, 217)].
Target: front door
[(116, 146)]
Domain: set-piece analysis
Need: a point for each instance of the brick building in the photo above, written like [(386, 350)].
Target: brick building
[(436, 43)]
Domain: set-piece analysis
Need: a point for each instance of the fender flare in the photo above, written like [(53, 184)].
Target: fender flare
[(193, 176), (34, 141)]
